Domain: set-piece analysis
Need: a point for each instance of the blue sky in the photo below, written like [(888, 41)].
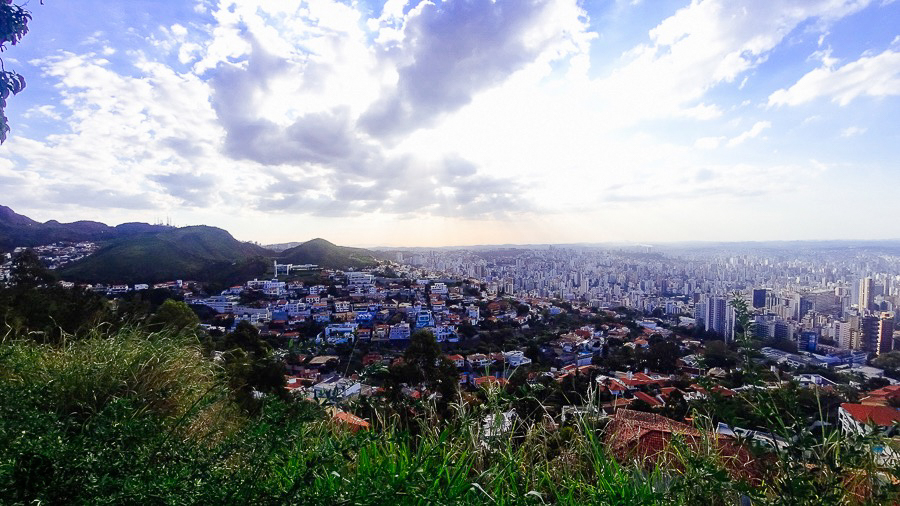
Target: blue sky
[(463, 122)]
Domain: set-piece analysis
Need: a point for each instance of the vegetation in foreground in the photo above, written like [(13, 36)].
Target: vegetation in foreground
[(140, 417)]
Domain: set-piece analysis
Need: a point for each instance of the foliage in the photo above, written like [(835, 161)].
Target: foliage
[(325, 254), (184, 253), (889, 361), (137, 418), (717, 354), (36, 305), (175, 315), (13, 26), (250, 366)]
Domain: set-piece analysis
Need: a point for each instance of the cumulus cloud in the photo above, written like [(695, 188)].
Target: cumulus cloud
[(272, 113), (875, 76), (484, 109), (708, 142), (443, 55), (707, 43), (450, 187), (449, 51)]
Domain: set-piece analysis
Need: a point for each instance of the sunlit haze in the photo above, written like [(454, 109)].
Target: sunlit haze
[(462, 122)]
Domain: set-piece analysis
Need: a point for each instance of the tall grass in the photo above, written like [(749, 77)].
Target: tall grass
[(138, 418)]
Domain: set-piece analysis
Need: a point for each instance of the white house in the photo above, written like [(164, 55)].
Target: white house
[(399, 331), (340, 333), (516, 358)]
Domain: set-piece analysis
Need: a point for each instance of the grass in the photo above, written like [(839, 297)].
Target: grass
[(138, 418)]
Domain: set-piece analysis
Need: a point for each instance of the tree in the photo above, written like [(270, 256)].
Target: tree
[(716, 354), (13, 26), (176, 315), (250, 365), (888, 361), (661, 356), (466, 330), (29, 272), (424, 363), (423, 354), (36, 305)]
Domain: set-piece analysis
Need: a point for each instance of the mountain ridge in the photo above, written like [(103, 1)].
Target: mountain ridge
[(20, 230), (193, 252), (143, 253)]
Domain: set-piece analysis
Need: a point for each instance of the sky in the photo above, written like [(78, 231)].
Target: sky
[(456, 122)]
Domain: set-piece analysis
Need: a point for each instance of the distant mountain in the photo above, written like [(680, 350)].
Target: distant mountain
[(142, 253), (18, 230), (328, 255), (198, 252), (282, 246)]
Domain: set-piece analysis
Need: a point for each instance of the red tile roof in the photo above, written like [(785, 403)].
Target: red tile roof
[(647, 437), (490, 380), (882, 416), (352, 421), (882, 396), (653, 401)]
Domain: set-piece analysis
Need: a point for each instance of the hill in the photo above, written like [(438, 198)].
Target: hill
[(282, 246), (328, 255), (18, 230), (197, 252)]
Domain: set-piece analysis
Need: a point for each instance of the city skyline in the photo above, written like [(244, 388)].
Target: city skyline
[(461, 123)]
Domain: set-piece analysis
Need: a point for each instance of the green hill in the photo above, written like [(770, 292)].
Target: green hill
[(19, 230), (197, 252), (328, 255)]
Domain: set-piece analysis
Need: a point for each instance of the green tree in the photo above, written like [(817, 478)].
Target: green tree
[(660, 356), (13, 26), (35, 305), (716, 354), (251, 366), (175, 315), (466, 330), (424, 363), (29, 272), (888, 361)]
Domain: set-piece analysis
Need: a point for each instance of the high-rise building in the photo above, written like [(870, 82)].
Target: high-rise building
[(719, 317), (808, 340), (885, 340), (868, 330), (842, 334), (866, 294), (759, 298)]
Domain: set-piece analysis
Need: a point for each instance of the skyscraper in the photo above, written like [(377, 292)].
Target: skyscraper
[(759, 298), (885, 340), (868, 328), (866, 294), (719, 316)]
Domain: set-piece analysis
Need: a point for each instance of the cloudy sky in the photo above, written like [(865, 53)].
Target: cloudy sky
[(462, 121)]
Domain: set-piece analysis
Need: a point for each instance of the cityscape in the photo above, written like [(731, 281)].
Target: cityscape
[(449, 252)]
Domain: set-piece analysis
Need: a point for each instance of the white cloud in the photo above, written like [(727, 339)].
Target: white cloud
[(753, 133), (702, 45), (853, 131), (433, 112), (43, 110), (874, 76), (708, 142)]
